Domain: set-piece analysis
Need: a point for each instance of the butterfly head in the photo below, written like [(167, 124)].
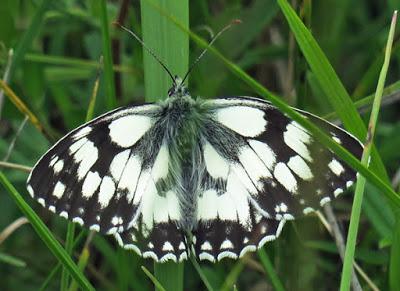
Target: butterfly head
[(178, 88)]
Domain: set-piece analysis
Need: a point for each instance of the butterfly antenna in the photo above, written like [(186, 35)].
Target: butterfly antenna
[(146, 48), (236, 21)]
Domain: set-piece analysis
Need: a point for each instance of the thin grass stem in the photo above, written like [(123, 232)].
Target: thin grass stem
[(360, 185)]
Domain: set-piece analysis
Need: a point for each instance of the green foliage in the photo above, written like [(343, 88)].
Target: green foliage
[(57, 49)]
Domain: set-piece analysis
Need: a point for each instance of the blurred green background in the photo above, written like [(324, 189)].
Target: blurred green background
[(59, 45)]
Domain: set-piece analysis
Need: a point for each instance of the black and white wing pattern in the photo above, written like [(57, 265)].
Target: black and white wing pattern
[(262, 169), (216, 178), (102, 176)]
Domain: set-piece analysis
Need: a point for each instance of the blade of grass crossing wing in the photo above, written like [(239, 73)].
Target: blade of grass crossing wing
[(46, 236), (171, 45), (329, 81), (322, 69), (358, 196)]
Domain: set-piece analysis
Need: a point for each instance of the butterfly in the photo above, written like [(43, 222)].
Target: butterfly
[(214, 178)]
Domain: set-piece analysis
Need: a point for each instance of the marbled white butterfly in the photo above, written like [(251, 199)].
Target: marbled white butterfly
[(214, 178)]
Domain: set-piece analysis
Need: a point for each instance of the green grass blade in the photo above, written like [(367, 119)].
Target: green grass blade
[(108, 63), (394, 267), (371, 74), (69, 241), (75, 62), (329, 81), (367, 101), (10, 260), (358, 196), (167, 42), (233, 275), (83, 261), (92, 100), (153, 279), (171, 45), (46, 236), (33, 30), (323, 70), (203, 277), (386, 189), (269, 269), (54, 271), (71, 226)]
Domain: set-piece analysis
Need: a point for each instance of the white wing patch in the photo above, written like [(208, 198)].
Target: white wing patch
[(336, 167), (285, 177), (127, 130), (59, 190), (300, 168), (107, 190), (130, 176), (118, 164), (156, 207), (297, 139), (159, 209), (240, 198), (84, 131), (207, 205), (264, 152), (254, 166), (233, 205), (247, 121), (216, 165), (91, 184), (58, 166), (86, 156), (160, 167)]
